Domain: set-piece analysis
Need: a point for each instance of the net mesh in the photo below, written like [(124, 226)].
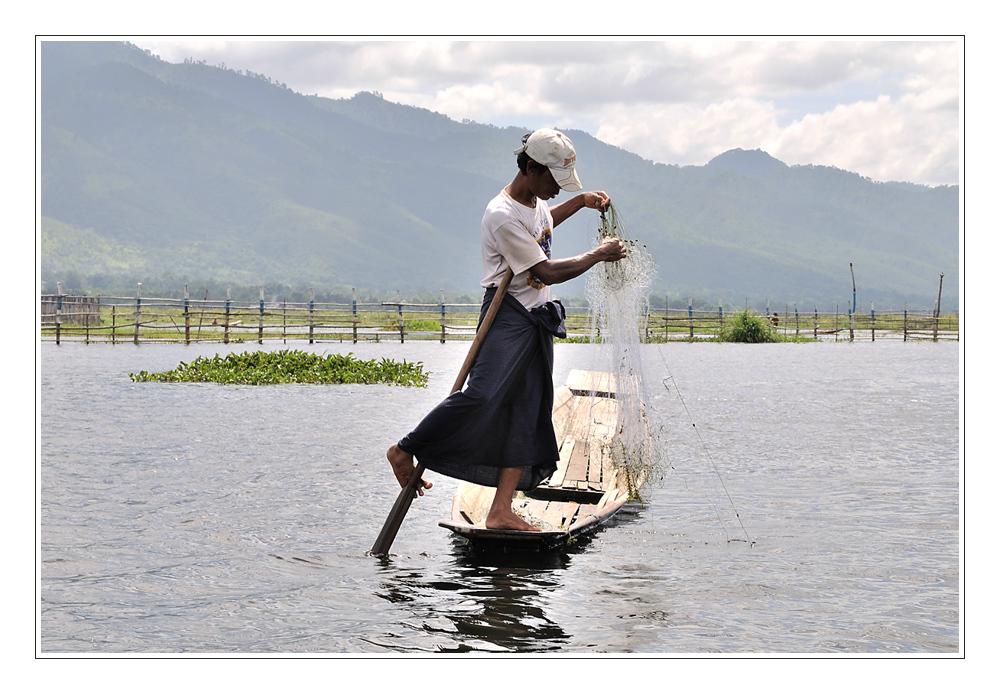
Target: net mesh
[(618, 295)]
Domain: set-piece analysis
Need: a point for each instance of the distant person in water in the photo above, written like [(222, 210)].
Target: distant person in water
[(498, 431)]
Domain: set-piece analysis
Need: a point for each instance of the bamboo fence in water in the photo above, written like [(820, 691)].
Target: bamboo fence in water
[(148, 319)]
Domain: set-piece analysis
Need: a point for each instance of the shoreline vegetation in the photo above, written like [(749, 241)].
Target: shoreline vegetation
[(290, 366), (148, 320), (750, 327)]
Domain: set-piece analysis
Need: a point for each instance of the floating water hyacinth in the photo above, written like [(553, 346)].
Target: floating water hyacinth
[(618, 293), (290, 366), (749, 326)]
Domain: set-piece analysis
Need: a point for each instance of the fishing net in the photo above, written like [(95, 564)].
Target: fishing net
[(618, 295)]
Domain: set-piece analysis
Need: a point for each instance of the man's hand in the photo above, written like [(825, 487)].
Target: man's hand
[(564, 269), (611, 250), (596, 200)]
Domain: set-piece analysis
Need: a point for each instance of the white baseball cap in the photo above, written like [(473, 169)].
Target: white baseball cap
[(552, 149)]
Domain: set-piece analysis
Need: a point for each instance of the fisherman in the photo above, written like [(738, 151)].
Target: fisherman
[(498, 431)]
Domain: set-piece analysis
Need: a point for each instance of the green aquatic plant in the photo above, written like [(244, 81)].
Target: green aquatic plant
[(290, 366), (423, 325), (748, 326)]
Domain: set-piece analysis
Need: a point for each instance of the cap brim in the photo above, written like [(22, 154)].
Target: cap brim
[(567, 179)]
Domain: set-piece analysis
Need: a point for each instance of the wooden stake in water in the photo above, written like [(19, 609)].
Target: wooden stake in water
[(312, 303), (225, 329), (442, 316), (86, 323), (138, 311), (59, 300), (399, 312), (354, 313), (937, 307), (873, 321), (201, 315), (690, 318), (187, 316), (260, 322), (854, 305)]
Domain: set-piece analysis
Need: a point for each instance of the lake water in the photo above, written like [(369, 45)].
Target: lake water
[(198, 518)]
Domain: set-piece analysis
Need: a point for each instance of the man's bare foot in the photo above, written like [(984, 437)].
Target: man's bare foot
[(497, 519), (501, 516), (403, 466)]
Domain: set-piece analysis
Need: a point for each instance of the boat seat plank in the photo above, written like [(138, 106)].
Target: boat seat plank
[(586, 382)]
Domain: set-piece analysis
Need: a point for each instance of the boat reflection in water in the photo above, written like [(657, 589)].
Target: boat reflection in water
[(484, 601)]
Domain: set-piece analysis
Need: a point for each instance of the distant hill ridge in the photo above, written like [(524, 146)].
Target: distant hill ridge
[(173, 172), (746, 161)]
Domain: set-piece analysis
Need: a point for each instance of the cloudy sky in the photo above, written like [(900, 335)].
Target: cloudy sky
[(887, 109)]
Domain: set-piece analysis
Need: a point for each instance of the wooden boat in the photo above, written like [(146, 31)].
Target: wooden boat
[(583, 494)]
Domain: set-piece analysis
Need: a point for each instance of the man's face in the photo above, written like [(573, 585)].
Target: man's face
[(543, 185)]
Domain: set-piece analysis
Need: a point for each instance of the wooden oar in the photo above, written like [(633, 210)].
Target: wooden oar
[(402, 505)]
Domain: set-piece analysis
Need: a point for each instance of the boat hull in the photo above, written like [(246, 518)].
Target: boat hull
[(586, 490)]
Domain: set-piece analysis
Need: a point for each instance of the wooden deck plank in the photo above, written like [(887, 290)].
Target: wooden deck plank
[(604, 419), (564, 419), (578, 463), (560, 397), (581, 425), (560, 514), (565, 453), (607, 468), (567, 513), (595, 473), (552, 514), (584, 425), (562, 409)]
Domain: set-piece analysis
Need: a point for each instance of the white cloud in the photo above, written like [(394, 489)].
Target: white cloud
[(689, 134), (886, 139), (885, 108)]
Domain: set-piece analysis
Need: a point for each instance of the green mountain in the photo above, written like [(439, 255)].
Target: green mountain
[(168, 173)]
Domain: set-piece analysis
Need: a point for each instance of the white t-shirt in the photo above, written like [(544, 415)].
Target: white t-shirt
[(519, 237)]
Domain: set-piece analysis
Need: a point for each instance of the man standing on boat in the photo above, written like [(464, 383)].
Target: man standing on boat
[(498, 431)]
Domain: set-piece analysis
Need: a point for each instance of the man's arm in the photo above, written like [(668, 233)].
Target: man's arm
[(597, 200), (565, 269)]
